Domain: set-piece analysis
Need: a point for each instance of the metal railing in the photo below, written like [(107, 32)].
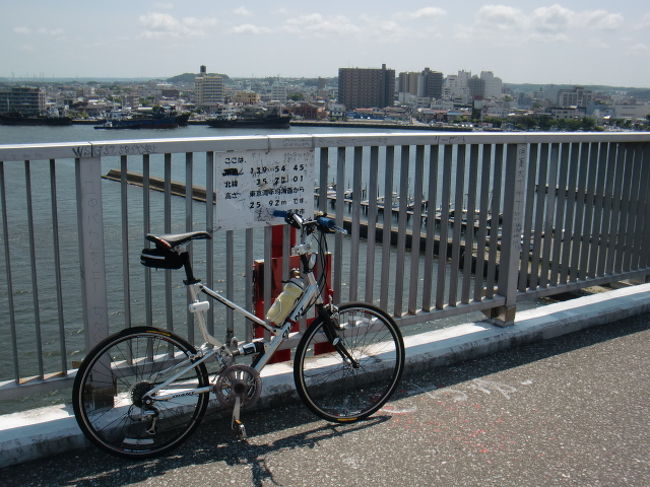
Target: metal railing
[(440, 225)]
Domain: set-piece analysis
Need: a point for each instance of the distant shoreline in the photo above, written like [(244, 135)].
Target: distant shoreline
[(375, 124), (326, 123)]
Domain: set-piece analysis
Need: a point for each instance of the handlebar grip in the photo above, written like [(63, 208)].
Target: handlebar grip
[(280, 213), (330, 224)]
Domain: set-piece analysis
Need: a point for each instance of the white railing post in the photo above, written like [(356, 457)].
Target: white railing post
[(91, 249), (513, 220)]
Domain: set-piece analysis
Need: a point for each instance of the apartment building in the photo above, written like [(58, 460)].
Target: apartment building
[(430, 84), (26, 100), (366, 87), (577, 97), (209, 90)]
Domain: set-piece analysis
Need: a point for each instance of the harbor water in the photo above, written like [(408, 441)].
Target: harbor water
[(25, 289)]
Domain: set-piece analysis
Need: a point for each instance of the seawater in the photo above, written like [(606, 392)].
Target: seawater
[(44, 310)]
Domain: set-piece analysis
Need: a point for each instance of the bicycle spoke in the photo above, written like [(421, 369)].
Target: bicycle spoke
[(336, 388), (112, 406)]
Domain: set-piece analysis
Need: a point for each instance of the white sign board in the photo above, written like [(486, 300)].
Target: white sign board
[(250, 185)]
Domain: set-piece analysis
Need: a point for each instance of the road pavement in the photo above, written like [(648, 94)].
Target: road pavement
[(571, 411)]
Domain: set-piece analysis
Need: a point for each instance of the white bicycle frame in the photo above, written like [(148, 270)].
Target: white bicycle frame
[(309, 298)]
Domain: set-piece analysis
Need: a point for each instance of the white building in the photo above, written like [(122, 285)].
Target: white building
[(493, 85), (279, 92), (576, 97), (632, 112), (209, 91), (456, 88)]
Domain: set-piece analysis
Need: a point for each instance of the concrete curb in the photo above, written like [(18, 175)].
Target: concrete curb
[(42, 432)]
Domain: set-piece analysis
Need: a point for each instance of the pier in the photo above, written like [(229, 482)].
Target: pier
[(199, 194)]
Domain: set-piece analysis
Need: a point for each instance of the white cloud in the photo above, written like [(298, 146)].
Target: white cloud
[(50, 32), (500, 18), (250, 29), (386, 29), (639, 48), (498, 24), (552, 20), (159, 25), (243, 11), (44, 31), (163, 5), (502, 24), (602, 20), (597, 44), (424, 13), (645, 22), (318, 25)]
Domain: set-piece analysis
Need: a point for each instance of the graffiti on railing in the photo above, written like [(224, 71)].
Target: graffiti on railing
[(113, 150)]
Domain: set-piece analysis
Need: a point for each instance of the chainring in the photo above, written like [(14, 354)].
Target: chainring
[(240, 381)]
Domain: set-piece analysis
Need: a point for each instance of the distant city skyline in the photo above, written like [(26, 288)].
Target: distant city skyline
[(580, 42)]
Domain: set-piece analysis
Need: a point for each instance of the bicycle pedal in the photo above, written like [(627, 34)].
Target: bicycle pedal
[(240, 429)]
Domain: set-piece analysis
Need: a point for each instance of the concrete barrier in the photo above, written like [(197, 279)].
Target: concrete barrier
[(41, 432)]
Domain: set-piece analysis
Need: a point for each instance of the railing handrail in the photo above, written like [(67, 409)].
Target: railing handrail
[(525, 188), (102, 148)]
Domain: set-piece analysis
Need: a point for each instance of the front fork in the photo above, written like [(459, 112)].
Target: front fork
[(329, 315)]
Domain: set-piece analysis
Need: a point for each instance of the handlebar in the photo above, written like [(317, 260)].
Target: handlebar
[(323, 223)]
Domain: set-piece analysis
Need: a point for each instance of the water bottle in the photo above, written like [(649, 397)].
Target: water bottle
[(286, 300)]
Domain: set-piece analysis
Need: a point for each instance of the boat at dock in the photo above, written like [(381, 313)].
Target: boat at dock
[(157, 119), (252, 118), (20, 119)]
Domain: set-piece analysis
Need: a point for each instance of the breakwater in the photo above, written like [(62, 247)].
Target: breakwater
[(199, 194)]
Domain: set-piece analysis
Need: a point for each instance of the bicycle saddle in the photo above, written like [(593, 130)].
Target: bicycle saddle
[(174, 239)]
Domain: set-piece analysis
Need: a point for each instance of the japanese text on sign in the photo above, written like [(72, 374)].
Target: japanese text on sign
[(250, 185)]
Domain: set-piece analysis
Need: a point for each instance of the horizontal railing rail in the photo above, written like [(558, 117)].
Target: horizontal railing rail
[(439, 225)]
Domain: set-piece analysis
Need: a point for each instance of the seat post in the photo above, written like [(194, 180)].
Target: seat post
[(189, 273)]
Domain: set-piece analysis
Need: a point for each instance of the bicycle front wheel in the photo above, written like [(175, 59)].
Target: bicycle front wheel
[(354, 379), (111, 398)]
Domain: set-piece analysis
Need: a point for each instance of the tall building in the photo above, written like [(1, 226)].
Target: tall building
[(26, 100), (456, 87), (366, 87), (209, 90), (476, 87), (408, 83), (493, 85), (430, 84), (279, 91), (578, 97), (246, 97)]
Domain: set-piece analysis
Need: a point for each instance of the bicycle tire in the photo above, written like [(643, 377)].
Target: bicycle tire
[(110, 384), (331, 386)]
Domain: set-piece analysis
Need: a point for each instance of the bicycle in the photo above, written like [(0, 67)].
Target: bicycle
[(143, 390)]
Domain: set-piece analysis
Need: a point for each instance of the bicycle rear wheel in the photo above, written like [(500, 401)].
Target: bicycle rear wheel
[(342, 388), (109, 394)]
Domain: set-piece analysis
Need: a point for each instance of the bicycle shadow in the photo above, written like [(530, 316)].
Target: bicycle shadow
[(255, 455), (213, 444), (286, 427)]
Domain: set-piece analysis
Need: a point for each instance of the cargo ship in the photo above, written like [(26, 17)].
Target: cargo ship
[(20, 119), (253, 119), (156, 120)]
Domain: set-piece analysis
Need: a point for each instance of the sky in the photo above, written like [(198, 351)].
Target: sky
[(523, 41)]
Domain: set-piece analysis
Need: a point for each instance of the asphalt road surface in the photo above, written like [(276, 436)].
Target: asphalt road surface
[(572, 411)]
